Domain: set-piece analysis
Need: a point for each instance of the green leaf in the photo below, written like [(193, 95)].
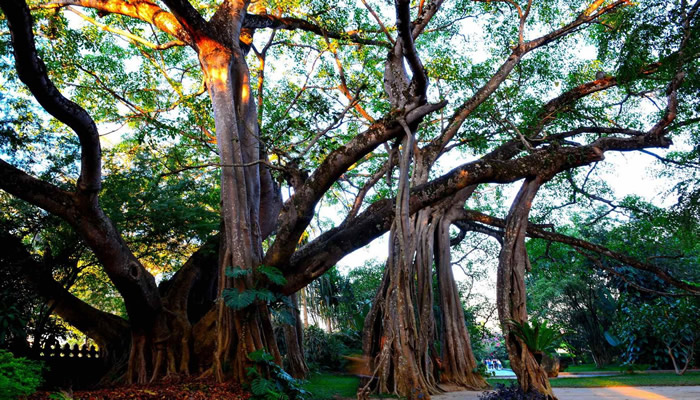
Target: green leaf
[(260, 356), (236, 272), (261, 386), (611, 339), (285, 317), (265, 295), (239, 300), (273, 274)]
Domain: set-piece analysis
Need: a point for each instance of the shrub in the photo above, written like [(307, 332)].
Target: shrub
[(18, 376), (512, 392), (324, 351), (538, 337)]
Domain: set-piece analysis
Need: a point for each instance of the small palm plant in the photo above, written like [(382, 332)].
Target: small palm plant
[(538, 337)]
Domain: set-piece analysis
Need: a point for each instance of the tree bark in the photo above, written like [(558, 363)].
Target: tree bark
[(459, 364), (393, 335), (295, 362), (513, 261), (238, 332)]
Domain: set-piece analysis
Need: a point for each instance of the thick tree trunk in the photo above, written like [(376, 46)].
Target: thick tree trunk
[(458, 362), (511, 295), (237, 332), (423, 242), (295, 362), (399, 356), (391, 334)]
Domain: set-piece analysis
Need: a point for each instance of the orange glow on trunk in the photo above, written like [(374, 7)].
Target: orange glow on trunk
[(216, 62), (245, 92)]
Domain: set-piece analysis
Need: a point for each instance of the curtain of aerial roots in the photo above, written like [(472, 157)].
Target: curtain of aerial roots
[(163, 347), (295, 362), (511, 295), (458, 362), (237, 333), (172, 347), (396, 343)]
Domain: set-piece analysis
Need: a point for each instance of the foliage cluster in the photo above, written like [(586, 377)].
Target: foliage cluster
[(324, 351), (490, 345), (617, 311), (344, 301), (270, 382), (672, 322), (537, 335), (238, 299), (18, 376)]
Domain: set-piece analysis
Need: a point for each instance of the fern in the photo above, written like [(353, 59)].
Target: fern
[(265, 295)]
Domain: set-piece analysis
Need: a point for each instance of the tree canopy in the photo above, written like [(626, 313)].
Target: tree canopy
[(160, 157)]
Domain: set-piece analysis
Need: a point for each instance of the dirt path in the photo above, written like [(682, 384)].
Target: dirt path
[(617, 393)]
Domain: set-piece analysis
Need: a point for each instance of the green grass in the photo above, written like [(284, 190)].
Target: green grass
[(327, 386), (324, 386), (592, 368), (640, 379)]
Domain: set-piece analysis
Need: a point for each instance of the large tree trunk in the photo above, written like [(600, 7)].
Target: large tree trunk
[(237, 332), (511, 296), (458, 362), (391, 334), (395, 341), (295, 362)]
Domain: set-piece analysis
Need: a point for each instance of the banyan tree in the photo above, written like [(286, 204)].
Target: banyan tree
[(239, 122)]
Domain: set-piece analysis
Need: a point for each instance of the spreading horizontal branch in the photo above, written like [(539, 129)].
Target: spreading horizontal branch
[(535, 232), (253, 21), (146, 11), (315, 258), (103, 327)]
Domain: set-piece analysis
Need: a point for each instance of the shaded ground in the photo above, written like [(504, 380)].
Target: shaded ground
[(616, 392)]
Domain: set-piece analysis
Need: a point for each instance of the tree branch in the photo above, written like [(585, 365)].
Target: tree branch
[(143, 10), (32, 71), (313, 259), (253, 21), (128, 35), (539, 233), (35, 191), (104, 328), (462, 112)]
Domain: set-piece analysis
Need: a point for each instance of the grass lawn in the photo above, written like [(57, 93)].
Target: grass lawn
[(328, 386), (640, 379), (592, 368)]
